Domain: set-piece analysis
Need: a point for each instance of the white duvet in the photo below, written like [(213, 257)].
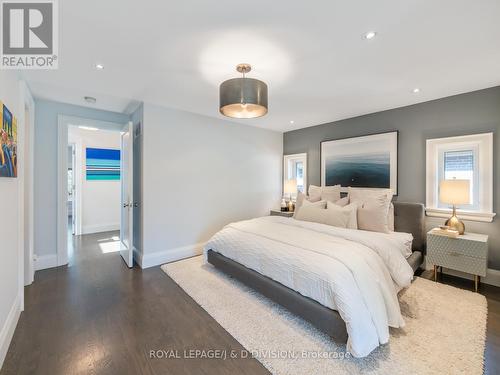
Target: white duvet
[(357, 273)]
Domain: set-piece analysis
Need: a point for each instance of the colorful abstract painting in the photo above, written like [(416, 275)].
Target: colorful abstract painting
[(8, 143), (102, 164)]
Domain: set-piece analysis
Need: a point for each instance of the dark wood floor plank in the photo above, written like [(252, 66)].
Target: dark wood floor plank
[(95, 316)]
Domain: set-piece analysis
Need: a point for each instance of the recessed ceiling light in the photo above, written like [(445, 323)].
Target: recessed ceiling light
[(90, 99), (87, 128), (99, 66), (292, 122), (370, 34), (416, 90)]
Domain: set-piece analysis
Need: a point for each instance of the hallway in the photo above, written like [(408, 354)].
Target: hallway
[(95, 316)]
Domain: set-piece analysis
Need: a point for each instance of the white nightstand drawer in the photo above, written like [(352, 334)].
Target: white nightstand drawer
[(458, 262), (466, 245)]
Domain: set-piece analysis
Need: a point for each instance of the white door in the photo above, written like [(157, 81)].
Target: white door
[(72, 189), (127, 176)]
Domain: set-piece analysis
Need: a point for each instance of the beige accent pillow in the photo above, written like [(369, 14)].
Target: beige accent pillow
[(334, 215), (326, 193), (390, 217), (301, 197), (318, 204), (314, 192), (361, 195), (337, 210), (342, 202), (373, 215)]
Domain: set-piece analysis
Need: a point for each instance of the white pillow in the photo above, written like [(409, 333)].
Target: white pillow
[(373, 215), (343, 217), (349, 211), (312, 212), (390, 217), (301, 197), (326, 193), (318, 204), (342, 202), (314, 192), (361, 196), (330, 193)]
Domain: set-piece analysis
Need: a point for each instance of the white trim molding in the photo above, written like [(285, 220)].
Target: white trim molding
[(485, 217), (87, 229), (145, 260), (483, 143), (8, 328)]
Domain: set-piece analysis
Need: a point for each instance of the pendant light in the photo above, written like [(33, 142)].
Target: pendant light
[(243, 97)]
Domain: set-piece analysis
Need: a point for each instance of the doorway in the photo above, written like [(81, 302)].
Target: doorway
[(94, 200)]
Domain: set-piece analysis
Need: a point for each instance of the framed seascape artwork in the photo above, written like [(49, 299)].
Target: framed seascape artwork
[(8, 143), (369, 161), (102, 164)]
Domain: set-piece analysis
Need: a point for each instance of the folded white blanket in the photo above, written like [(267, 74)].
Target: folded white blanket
[(355, 272)]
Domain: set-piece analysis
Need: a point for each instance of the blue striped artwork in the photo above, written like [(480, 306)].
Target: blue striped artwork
[(102, 164)]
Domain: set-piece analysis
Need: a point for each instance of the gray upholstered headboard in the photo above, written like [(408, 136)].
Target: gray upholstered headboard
[(410, 218)]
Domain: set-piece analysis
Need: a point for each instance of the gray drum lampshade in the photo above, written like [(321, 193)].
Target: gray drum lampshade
[(243, 97)]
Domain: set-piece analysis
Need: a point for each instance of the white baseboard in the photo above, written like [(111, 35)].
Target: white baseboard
[(492, 276), (157, 258), (45, 261), (8, 328), (98, 228)]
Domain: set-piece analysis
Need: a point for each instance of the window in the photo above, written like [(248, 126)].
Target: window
[(295, 168), (465, 158)]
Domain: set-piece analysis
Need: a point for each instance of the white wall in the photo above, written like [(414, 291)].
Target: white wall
[(200, 173), (100, 200), (10, 193)]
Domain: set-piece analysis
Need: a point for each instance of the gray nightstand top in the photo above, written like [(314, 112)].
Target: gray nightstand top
[(278, 212), (466, 236)]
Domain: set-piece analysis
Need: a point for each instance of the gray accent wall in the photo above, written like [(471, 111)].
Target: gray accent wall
[(475, 112)]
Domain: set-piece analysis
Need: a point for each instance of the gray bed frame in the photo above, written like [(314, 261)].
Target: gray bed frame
[(408, 217)]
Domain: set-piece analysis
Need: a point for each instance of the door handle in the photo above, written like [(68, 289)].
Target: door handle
[(136, 204), (125, 205)]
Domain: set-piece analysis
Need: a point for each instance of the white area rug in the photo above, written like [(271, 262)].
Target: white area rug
[(444, 334)]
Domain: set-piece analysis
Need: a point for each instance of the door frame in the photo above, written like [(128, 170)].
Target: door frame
[(76, 190), (26, 260), (63, 123)]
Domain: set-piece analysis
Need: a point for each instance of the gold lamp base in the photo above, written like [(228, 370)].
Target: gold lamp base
[(455, 223)]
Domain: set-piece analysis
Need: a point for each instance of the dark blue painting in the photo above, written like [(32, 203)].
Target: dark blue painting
[(367, 162)]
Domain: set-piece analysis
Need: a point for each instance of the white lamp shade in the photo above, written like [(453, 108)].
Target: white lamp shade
[(290, 187), (454, 192)]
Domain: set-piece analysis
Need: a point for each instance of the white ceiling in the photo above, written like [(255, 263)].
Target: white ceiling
[(312, 54)]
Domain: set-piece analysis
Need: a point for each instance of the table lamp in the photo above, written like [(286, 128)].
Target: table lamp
[(289, 189), (455, 192)]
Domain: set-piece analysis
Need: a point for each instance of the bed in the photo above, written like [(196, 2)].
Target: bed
[(346, 304)]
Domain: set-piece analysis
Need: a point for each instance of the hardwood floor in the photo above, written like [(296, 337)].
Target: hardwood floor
[(95, 316)]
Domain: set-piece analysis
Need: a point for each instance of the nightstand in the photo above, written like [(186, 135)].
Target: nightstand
[(281, 213), (467, 253)]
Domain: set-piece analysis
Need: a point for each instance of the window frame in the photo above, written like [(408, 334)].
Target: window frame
[(483, 146), (288, 172)]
